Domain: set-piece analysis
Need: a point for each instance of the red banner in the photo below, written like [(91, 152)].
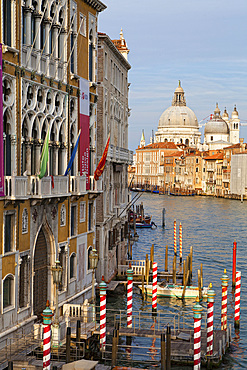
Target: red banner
[(100, 168), (84, 126)]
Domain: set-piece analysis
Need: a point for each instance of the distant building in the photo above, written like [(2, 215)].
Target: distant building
[(220, 131)]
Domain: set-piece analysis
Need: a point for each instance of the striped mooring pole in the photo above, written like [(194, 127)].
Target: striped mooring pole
[(102, 289), (129, 296), (197, 309), (154, 290), (210, 320), (237, 300), (224, 285), (180, 244), (47, 315), (234, 262), (175, 237)]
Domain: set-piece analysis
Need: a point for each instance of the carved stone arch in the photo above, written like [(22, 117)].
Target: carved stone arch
[(8, 123), (8, 90), (44, 257), (53, 130)]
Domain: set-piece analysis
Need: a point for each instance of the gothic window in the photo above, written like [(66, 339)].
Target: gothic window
[(82, 211), (24, 221), (72, 266), (88, 259), (7, 143), (8, 291), (24, 278), (83, 20), (9, 232), (63, 216)]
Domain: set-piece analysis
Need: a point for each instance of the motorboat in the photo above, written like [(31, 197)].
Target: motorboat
[(175, 291)]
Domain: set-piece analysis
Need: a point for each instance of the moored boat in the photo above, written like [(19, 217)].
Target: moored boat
[(175, 291)]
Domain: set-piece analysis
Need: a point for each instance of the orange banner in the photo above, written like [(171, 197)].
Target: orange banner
[(100, 168)]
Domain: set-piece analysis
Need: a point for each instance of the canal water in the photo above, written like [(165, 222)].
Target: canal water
[(210, 225)]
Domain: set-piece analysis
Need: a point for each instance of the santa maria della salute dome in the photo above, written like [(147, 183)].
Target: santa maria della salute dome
[(178, 123)]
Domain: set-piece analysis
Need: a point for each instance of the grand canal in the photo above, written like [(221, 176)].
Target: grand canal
[(210, 225)]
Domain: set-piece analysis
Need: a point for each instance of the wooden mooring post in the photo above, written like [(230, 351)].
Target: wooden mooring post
[(78, 337), (68, 340), (166, 259), (163, 218), (114, 348), (143, 293), (147, 269), (151, 257), (163, 351), (174, 269), (168, 348)]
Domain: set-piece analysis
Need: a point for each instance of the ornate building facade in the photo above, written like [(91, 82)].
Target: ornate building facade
[(49, 53), (113, 113)]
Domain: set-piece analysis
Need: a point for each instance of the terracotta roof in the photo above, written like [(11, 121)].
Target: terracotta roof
[(233, 146), (176, 153), (167, 145), (215, 156)]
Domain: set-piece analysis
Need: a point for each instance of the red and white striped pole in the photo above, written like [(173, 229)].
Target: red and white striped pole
[(210, 320), (154, 290), (102, 289), (175, 237), (197, 309), (237, 300), (180, 244), (47, 315), (129, 296), (234, 258), (224, 285)]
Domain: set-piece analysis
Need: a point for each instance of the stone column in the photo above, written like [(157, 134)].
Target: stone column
[(28, 157), (55, 160), (28, 26), (37, 30), (47, 31), (13, 151), (37, 156)]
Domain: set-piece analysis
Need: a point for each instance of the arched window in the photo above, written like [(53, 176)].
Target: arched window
[(7, 144), (88, 259), (24, 221), (8, 291), (237, 126), (72, 266)]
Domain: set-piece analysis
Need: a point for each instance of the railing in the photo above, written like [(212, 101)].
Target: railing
[(78, 184), (137, 270), (95, 186), (15, 186), (46, 187), (120, 155)]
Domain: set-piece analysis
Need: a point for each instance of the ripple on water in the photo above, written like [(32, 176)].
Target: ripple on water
[(210, 225)]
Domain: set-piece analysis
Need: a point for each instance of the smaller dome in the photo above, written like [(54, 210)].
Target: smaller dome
[(216, 125), (235, 113), (225, 114)]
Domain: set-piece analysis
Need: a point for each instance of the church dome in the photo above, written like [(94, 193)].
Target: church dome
[(178, 115), (216, 125)]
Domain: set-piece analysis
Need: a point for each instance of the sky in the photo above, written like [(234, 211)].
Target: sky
[(201, 43)]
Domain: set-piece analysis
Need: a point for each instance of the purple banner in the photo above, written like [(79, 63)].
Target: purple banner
[(1, 129)]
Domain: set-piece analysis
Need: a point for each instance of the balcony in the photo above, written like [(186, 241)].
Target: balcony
[(15, 187), (210, 169), (43, 188), (120, 155), (95, 186), (78, 185)]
